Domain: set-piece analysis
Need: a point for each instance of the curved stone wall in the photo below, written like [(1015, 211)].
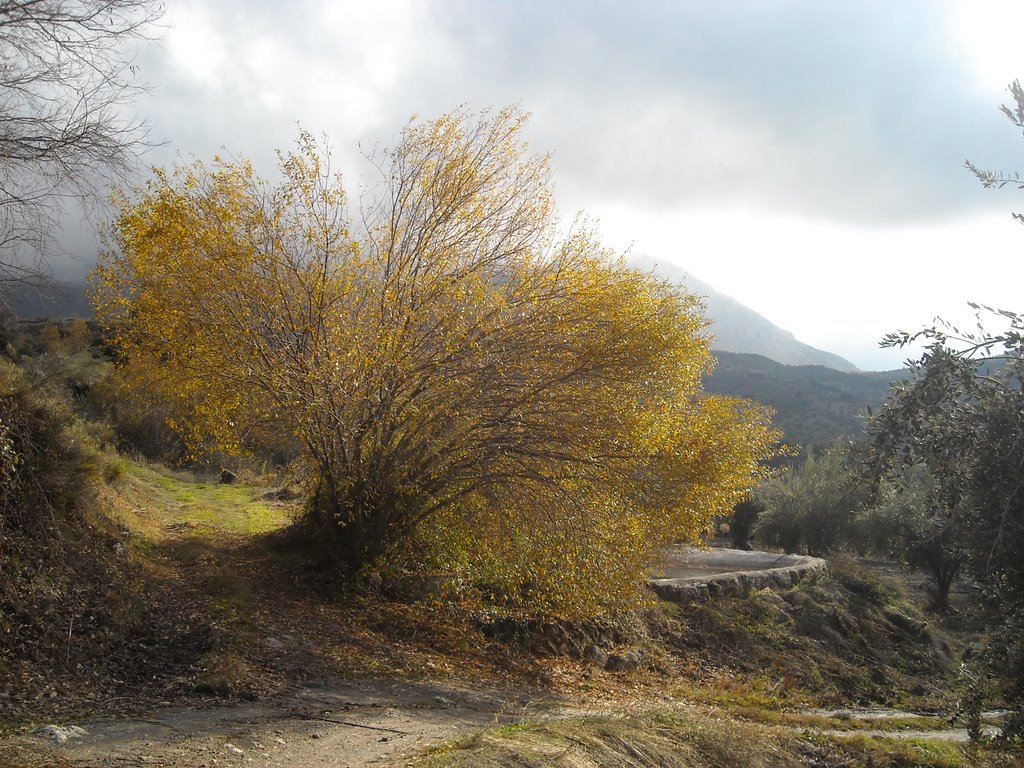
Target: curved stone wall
[(752, 571)]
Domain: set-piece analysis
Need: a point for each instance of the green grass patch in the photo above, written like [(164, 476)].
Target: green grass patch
[(236, 508), (840, 722), (899, 752)]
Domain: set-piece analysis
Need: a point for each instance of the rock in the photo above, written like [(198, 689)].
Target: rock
[(623, 662), (731, 585), (424, 587), (595, 656), (61, 733), (281, 494), (904, 622)]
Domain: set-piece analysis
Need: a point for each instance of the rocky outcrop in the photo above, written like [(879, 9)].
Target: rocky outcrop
[(603, 643)]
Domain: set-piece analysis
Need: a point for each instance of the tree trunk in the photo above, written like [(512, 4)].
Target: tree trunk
[(943, 574), (355, 525)]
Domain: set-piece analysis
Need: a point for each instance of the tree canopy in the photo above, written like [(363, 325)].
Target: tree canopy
[(960, 422), (473, 387)]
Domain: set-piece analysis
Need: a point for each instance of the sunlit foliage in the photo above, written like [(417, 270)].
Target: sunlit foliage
[(472, 386)]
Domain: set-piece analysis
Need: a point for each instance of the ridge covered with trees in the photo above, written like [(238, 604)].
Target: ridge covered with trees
[(813, 405)]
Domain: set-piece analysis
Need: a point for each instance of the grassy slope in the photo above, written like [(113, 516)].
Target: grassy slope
[(214, 594), (848, 639), (177, 499), (695, 740)]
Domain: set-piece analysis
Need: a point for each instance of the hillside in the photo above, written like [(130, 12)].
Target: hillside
[(60, 300), (155, 615), (225, 642), (813, 404), (737, 328)]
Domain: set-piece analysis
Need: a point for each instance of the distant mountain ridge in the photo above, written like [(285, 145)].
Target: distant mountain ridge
[(813, 404), (737, 328), (50, 301)]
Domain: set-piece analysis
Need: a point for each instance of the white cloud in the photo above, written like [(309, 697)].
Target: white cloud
[(987, 35), (803, 157), (837, 287), (196, 43)]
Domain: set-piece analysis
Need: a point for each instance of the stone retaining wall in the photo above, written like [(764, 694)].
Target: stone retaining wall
[(770, 571)]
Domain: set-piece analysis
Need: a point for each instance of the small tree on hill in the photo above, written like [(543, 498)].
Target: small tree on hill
[(463, 378), (906, 520)]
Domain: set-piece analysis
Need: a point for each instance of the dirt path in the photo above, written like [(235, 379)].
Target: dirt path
[(375, 722), (351, 724), (274, 643)]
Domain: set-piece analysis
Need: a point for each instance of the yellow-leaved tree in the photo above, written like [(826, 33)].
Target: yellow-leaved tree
[(471, 387)]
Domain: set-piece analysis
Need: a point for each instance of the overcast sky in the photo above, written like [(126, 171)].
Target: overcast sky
[(802, 156)]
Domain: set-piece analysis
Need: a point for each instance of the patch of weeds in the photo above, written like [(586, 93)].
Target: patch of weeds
[(860, 581), (753, 693), (444, 748), (839, 722), (881, 752), (221, 674), (510, 728), (670, 610)]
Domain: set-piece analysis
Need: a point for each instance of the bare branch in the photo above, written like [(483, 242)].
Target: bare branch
[(67, 75)]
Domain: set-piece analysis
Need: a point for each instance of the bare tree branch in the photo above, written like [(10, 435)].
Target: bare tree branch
[(67, 79)]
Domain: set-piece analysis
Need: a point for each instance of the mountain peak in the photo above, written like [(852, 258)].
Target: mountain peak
[(737, 328)]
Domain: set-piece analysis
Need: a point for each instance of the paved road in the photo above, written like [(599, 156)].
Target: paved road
[(692, 562)]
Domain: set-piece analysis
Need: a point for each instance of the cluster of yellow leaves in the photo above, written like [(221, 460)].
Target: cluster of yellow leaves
[(74, 338), (470, 386)]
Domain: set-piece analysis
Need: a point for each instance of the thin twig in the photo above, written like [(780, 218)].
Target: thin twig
[(303, 716)]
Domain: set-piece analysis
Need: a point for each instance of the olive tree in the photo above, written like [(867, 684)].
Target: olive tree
[(813, 507), (906, 521), (961, 417)]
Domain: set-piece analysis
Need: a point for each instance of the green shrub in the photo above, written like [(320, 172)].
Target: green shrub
[(813, 508), (41, 460)]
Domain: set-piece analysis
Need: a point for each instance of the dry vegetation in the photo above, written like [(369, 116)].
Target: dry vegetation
[(135, 586), (223, 611), (693, 740)]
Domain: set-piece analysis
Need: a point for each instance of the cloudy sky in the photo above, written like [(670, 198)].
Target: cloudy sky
[(803, 156)]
